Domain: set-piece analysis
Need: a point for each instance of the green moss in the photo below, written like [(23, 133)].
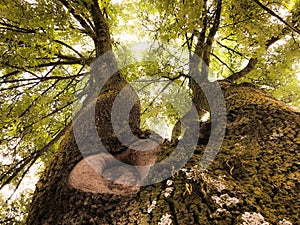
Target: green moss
[(258, 164)]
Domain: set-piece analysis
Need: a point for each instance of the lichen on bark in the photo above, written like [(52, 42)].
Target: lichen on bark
[(256, 172)]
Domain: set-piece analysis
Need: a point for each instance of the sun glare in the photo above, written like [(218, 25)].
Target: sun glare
[(117, 2)]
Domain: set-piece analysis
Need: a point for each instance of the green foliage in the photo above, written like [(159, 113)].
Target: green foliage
[(14, 212), (246, 31), (46, 52)]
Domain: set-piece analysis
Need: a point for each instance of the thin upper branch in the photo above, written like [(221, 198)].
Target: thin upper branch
[(15, 28), (70, 47), (229, 49), (221, 61), (277, 16)]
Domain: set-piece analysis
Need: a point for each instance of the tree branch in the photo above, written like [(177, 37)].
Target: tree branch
[(50, 114), (15, 28), (42, 79), (221, 61), (253, 61), (59, 62), (251, 64), (81, 20), (102, 40), (229, 49), (18, 86), (201, 35), (10, 74), (37, 98), (277, 16), (209, 41), (21, 179), (33, 157), (70, 47), (212, 33), (70, 61)]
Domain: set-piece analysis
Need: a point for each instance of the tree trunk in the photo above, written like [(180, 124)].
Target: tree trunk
[(255, 177)]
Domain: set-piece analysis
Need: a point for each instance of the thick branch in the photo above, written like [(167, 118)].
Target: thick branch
[(212, 33), (253, 61), (251, 64), (102, 40), (81, 20), (209, 42), (201, 36)]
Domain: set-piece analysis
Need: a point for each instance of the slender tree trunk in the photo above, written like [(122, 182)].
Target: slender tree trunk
[(255, 176)]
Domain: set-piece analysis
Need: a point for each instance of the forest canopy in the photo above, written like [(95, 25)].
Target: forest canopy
[(47, 48)]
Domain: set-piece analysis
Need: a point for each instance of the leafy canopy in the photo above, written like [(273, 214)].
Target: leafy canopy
[(47, 47)]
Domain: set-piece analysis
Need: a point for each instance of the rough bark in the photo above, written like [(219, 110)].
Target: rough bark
[(256, 171)]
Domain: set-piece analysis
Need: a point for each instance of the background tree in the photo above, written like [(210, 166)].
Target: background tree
[(46, 51)]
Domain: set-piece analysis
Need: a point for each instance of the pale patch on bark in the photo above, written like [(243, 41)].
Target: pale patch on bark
[(253, 219), (100, 173), (85, 177)]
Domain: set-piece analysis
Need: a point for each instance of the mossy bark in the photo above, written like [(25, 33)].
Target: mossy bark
[(256, 170)]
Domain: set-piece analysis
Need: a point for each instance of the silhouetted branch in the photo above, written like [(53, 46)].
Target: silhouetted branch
[(70, 47), (277, 16), (16, 169), (41, 79), (221, 61), (229, 49)]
